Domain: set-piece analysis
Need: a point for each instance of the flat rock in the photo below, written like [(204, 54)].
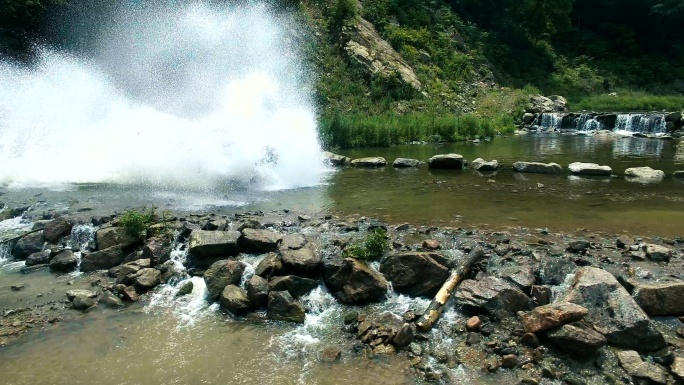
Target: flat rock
[(65, 261), (415, 274), (259, 241), (552, 316), (494, 296), (590, 169), (206, 246), (353, 282), (660, 299), (71, 294), (103, 259), (369, 162), (537, 168), (406, 163), (644, 175), (234, 299), (221, 274), (293, 242), (114, 236), (302, 261), (283, 307), (632, 363), (480, 164), (56, 229), (335, 159), (577, 339), (147, 278), (446, 162)]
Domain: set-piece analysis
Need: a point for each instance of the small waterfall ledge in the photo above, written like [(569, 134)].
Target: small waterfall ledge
[(656, 124)]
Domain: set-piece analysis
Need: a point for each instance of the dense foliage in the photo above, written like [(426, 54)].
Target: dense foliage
[(371, 247)]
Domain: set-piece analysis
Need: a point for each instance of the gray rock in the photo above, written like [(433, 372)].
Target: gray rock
[(103, 259), (578, 168), (221, 274), (56, 229), (521, 276), (446, 162), (110, 300), (257, 291), (353, 282), (82, 302), (406, 163), (528, 118), (404, 336), (480, 164), (293, 242), (129, 269), (272, 264), (28, 244), (658, 253), (369, 162), (673, 116), (185, 288), (415, 274), (213, 244), (297, 286), (114, 236), (39, 258), (71, 294), (660, 299), (147, 278), (65, 261), (234, 299), (259, 241), (302, 261), (644, 175), (537, 168), (335, 159), (612, 311), (632, 363), (494, 296), (577, 339), (282, 307)]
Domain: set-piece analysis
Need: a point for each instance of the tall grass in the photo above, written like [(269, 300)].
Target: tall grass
[(628, 101), (387, 129)]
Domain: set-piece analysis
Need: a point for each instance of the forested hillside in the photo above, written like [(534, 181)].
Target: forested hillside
[(391, 71)]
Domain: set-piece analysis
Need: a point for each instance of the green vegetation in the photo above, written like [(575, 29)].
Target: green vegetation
[(135, 223), (371, 247), (629, 101)]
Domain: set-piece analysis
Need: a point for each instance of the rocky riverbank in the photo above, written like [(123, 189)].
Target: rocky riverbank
[(582, 308)]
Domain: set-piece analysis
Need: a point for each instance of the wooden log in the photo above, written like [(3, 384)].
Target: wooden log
[(437, 305)]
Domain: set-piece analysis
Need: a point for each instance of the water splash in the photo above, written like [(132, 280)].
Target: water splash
[(181, 96)]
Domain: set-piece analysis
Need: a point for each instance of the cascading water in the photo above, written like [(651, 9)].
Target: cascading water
[(550, 121), (628, 124), (180, 96), (585, 124)]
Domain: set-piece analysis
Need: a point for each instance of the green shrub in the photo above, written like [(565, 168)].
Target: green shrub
[(371, 247), (135, 223)]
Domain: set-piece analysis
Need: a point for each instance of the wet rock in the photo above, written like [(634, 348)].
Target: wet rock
[(446, 162), (259, 241), (624, 241), (71, 294), (612, 311), (404, 336), (509, 361), (579, 246), (234, 299), (282, 307), (644, 175), (56, 229), (473, 338), (185, 288), (39, 258), (110, 300), (131, 294), (302, 261), (552, 316), (65, 261), (406, 163), (482, 165), (531, 340), (678, 174), (384, 350), (257, 291), (369, 162), (158, 250), (474, 324), (293, 242), (297, 286), (658, 253), (415, 274), (114, 236), (494, 296), (330, 354), (103, 259), (353, 282), (28, 244), (577, 339), (82, 302), (206, 247), (521, 276), (578, 168), (221, 274), (635, 367), (431, 244), (129, 269), (537, 168), (678, 367), (660, 299), (147, 278), (541, 294), (335, 159), (272, 264)]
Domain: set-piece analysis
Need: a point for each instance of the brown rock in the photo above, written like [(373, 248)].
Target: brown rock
[(131, 294), (577, 339), (509, 361), (660, 299), (474, 323), (56, 229), (551, 316), (431, 244)]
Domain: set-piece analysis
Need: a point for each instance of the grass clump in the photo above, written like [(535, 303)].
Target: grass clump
[(371, 247), (135, 223)]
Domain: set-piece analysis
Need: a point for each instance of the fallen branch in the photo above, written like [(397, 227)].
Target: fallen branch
[(18, 237), (437, 305)]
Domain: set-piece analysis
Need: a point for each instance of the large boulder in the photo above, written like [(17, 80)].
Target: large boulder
[(234, 299), (103, 259), (335, 159), (577, 339), (591, 169), (297, 286), (415, 274), (283, 307), (644, 175), (537, 168), (39, 258), (147, 278), (221, 274), (406, 163), (480, 164), (552, 316), (257, 291), (56, 229), (494, 296), (65, 261), (114, 236), (304, 261), (539, 104), (369, 162), (353, 282), (660, 299), (206, 247), (28, 244), (259, 241), (612, 311), (446, 162)]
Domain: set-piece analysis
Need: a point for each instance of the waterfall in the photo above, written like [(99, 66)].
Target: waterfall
[(586, 123), (628, 124), (550, 121)]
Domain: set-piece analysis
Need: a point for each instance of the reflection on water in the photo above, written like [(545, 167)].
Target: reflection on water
[(639, 148)]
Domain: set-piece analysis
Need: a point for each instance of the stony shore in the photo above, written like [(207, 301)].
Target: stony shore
[(581, 308)]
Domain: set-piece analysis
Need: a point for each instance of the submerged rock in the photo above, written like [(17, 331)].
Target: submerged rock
[(537, 167), (221, 274), (415, 274), (103, 259), (579, 168), (480, 164), (65, 261), (494, 296), (71, 294), (644, 175), (56, 229), (282, 307), (446, 162), (406, 163), (678, 174), (82, 302), (353, 282), (552, 316), (369, 162)]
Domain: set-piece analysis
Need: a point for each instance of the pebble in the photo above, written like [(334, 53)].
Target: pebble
[(474, 323)]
